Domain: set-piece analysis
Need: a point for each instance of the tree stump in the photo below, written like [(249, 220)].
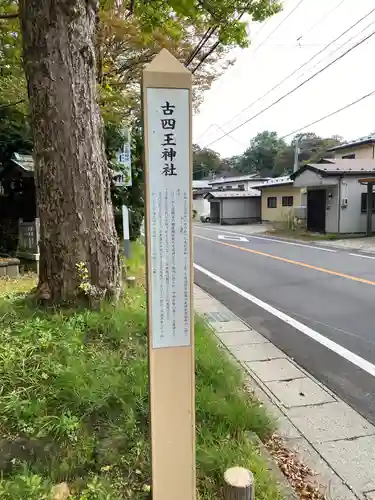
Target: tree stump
[(239, 484)]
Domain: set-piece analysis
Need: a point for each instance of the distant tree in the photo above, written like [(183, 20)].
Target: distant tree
[(271, 156), (260, 156), (205, 162), (313, 148)]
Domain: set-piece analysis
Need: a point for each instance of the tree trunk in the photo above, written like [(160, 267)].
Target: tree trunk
[(71, 173)]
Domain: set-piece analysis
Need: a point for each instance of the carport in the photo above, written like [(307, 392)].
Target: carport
[(234, 207)]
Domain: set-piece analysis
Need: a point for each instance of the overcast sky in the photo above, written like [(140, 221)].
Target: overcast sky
[(258, 69)]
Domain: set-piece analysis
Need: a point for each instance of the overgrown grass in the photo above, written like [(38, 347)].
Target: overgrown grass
[(74, 402)]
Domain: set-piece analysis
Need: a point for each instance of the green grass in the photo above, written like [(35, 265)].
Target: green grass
[(74, 402)]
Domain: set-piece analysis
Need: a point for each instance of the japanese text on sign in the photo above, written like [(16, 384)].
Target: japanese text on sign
[(169, 211), (169, 142)]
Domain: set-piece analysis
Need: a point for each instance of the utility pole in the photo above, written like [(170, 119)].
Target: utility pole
[(296, 153)]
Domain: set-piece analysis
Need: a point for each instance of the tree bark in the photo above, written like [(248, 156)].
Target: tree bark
[(71, 172)]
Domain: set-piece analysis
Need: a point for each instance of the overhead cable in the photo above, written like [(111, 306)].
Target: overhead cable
[(295, 88), (370, 94)]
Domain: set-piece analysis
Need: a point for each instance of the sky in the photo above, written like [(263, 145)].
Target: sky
[(268, 61)]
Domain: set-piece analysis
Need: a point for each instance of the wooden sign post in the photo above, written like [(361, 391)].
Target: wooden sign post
[(168, 173)]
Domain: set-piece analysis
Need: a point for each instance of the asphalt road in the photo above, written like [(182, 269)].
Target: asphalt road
[(314, 303)]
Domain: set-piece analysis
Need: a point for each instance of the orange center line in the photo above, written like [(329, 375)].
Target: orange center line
[(290, 261)]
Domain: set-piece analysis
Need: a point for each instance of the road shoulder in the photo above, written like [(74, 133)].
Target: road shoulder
[(328, 435)]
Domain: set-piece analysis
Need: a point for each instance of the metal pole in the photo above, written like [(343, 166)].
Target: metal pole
[(296, 153), (125, 226)]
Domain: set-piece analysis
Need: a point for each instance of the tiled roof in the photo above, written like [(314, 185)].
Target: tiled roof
[(251, 193), (345, 166), (238, 178), (26, 162), (362, 140), (277, 181)]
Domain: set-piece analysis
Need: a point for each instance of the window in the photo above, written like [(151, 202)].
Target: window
[(364, 202), (287, 201), (272, 202), (241, 187), (351, 156)]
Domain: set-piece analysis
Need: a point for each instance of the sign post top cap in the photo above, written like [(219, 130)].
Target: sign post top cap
[(165, 62)]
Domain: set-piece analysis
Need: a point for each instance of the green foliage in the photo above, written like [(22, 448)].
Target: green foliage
[(205, 161), (15, 134), (271, 156), (75, 391), (261, 154)]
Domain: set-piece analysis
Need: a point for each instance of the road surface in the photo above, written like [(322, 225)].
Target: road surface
[(315, 303)]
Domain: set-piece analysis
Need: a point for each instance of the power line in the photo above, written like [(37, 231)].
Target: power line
[(302, 66), (295, 88), (327, 14), (330, 114), (215, 125), (278, 26), (340, 46), (263, 26)]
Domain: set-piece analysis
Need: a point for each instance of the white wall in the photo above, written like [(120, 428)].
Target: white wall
[(332, 209), (352, 220), (202, 206), (312, 179)]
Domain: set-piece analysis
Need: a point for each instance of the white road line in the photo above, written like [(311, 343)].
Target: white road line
[(361, 255), (232, 238), (249, 235), (309, 332)]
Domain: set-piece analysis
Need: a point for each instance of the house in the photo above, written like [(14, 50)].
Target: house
[(240, 183), (360, 149), (234, 207), (336, 194), (280, 199)]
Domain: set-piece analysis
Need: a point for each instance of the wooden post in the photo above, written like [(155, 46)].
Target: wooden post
[(369, 208), (168, 185), (239, 484)]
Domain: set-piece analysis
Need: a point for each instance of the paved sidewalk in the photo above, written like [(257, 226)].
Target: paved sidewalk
[(361, 244), (329, 436)]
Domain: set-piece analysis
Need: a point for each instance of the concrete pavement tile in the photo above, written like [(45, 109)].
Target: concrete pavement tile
[(256, 352), (299, 392), (333, 486), (275, 369), (241, 338), (204, 305), (330, 422), (200, 294), (353, 460), (229, 326), (285, 428)]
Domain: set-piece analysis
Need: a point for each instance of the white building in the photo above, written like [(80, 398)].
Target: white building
[(240, 183), (336, 195)]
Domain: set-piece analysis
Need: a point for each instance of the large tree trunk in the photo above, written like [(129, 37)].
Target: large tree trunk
[(71, 173)]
